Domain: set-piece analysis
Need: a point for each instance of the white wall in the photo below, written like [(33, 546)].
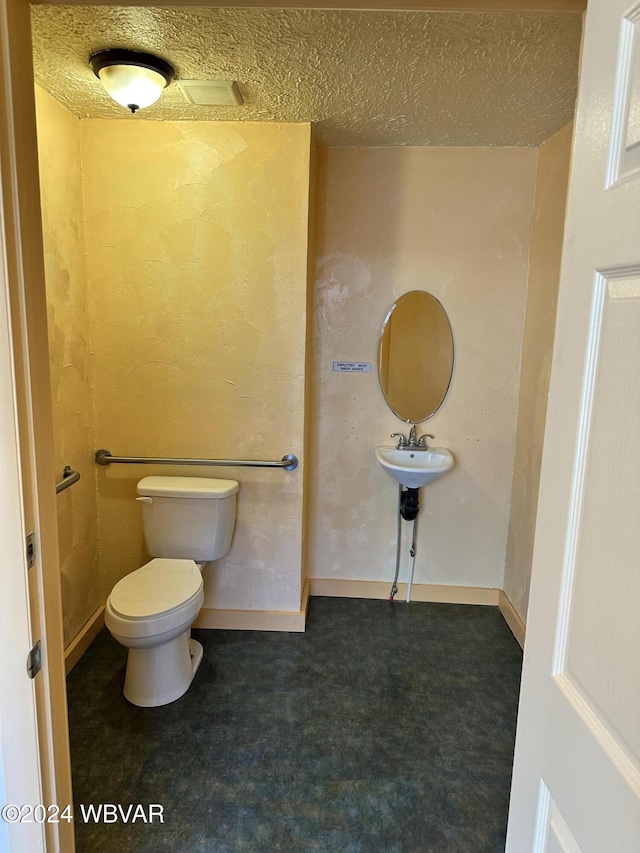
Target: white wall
[(457, 223)]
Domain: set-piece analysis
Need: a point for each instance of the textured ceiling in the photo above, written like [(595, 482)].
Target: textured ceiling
[(362, 78)]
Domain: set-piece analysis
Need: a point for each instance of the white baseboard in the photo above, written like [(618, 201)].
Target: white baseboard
[(294, 621), (340, 588), (83, 639), (512, 618), (256, 620)]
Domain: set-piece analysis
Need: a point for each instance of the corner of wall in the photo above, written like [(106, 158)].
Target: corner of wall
[(104, 585), (309, 353), (548, 212)]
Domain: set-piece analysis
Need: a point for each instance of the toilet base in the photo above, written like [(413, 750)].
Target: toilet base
[(162, 674), (196, 651)]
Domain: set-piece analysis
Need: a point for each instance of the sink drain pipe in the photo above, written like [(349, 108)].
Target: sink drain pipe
[(408, 508), (413, 558), (394, 585)]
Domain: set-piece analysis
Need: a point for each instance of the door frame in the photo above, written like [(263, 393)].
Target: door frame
[(33, 505), (19, 753)]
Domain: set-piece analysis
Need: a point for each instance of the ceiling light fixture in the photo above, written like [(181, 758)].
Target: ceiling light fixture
[(134, 80)]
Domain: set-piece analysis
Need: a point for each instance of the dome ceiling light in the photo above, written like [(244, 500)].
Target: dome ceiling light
[(134, 80)]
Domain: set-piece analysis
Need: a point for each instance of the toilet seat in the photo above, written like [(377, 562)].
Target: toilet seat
[(156, 599), (158, 588)]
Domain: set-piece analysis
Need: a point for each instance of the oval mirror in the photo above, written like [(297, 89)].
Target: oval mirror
[(415, 356)]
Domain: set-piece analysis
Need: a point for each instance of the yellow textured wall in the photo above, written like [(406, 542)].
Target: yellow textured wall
[(63, 227), (196, 239), (457, 223), (542, 296)]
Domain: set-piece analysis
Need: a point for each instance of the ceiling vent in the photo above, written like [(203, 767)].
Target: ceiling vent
[(211, 93)]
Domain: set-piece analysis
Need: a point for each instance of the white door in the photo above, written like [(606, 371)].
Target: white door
[(576, 783), (19, 758)]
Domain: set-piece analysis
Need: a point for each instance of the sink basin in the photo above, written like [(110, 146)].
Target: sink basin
[(414, 468)]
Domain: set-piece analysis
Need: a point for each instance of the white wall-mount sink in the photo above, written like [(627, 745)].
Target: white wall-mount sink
[(414, 468)]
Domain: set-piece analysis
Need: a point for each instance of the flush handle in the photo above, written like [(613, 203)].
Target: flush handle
[(145, 500)]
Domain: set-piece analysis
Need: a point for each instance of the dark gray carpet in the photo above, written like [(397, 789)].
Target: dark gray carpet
[(385, 728)]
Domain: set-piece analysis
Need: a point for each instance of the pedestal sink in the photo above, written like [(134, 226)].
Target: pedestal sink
[(413, 467)]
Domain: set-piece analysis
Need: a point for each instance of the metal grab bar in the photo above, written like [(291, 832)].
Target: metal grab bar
[(104, 457), (69, 477)]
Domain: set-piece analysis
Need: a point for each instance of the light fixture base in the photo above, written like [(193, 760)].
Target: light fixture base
[(121, 56)]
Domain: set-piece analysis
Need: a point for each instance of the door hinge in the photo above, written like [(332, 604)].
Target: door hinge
[(31, 549), (34, 660)]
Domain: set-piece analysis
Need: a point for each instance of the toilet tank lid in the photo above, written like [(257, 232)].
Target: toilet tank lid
[(187, 487)]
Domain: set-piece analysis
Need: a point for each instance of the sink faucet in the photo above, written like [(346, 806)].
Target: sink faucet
[(412, 443), (422, 441), (402, 441)]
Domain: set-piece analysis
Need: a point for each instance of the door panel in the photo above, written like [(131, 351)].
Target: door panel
[(556, 837), (605, 593), (625, 129)]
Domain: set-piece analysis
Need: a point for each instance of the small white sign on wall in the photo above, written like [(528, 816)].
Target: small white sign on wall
[(352, 367)]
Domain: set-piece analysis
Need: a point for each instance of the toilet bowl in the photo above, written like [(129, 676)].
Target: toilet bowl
[(151, 610)]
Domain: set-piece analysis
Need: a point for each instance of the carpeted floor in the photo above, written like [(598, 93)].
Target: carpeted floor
[(385, 728)]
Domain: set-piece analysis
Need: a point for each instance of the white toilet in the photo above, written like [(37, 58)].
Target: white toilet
[(187, 522)]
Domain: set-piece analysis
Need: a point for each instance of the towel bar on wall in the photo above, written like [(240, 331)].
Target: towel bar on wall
[(69, 477), (288, 462)]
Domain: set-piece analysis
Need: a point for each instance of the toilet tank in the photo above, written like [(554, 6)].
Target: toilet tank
[(188, 517)]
